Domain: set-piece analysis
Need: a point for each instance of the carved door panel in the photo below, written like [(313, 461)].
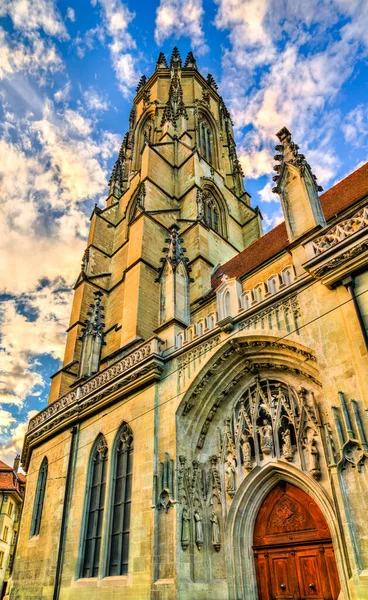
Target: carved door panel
[(284, 582), (312, 574), (333, 577)]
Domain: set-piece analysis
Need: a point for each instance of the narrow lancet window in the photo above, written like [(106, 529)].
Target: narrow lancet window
[(39, 498), (121, 504), (95, 509), (205, 139)]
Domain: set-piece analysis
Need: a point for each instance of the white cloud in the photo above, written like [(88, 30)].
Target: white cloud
[(355, 126), (6, 419), (285, 65), (266, 194), (24, 338), (272, 220), (56, 164), (62, 95), (70, 14), (180, 18), (95, 102), (116, 20), (30, 15), (14, 444), (34, 55)]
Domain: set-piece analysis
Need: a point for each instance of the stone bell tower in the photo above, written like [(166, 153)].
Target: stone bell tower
[(177, 180)]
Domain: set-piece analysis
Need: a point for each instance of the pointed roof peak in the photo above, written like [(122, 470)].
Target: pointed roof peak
[(175, 61), (288, 152), (161, 62), (190, 61)]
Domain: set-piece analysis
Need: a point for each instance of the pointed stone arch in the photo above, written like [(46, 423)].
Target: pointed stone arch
[(210, 153), (233, 365), (144, 133), (211, 201)]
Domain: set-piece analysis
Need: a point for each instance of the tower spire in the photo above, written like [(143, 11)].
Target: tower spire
[(175, 62)]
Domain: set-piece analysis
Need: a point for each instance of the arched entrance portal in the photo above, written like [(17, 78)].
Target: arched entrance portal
[(293, 549)]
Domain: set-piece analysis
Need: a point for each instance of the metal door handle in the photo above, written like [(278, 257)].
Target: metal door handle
[(312, 586), (283, 586)]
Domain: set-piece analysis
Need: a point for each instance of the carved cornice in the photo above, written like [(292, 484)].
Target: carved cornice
[(341, 231), (137, 369), (340, 249), (245, 348)]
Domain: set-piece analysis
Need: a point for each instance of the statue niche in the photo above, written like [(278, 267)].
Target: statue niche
[(271, 420)]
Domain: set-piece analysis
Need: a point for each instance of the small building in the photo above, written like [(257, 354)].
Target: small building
[(12, 485)]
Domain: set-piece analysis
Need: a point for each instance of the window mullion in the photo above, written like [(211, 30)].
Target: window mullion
[(95, 516), (122, 514)]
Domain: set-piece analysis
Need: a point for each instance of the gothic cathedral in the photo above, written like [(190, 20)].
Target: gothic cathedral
[(206, 436)]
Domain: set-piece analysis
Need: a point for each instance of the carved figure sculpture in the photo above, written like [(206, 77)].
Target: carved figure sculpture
[(287, 450), (247, 451), (215, 531), (198, 529), (230, 478), (265, 432), (200, 206), (185, 532), (313, 457)]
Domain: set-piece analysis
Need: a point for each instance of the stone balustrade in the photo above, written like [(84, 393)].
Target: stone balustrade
[(341, 231), (94, 383)]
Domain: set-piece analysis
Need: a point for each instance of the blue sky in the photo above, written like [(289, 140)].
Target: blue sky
[(68, 71)]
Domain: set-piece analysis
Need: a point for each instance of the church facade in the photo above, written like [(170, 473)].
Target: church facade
[(206, 436)]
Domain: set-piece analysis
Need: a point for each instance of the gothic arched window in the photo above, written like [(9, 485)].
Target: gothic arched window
[(121, 503), (205, 139), (39, 498), (95, 503), (209, 211)]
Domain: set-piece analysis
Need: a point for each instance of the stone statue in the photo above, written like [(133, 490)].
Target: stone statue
[(215, 531), (230, 478), (198, 529), (265, 431), (200, 206), (313, 457), (287, 450), (185, 533), (247, 451)]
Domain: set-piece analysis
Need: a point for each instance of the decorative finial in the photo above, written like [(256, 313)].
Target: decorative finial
[(174, 252), (190, 61), (175, 62), (288, 152), (161, 62)]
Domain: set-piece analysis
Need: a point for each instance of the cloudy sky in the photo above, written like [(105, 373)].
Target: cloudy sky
[(68, 71)]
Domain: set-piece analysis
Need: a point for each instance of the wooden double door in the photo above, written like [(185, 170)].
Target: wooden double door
[(293, 551)]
